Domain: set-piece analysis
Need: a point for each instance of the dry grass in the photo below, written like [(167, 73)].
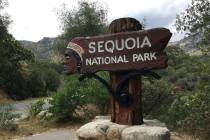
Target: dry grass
[(25, 128), (4, 98)]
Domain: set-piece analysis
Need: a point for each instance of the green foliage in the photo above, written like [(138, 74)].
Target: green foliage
[(181, 97), (155, 95), (60, 46), (97, 94), (66, 100), (20, 76), (4, 19), (12, 57), (35, 108), (191, 113), (195, 20), (74, 94), (41, 79), (87, 19)]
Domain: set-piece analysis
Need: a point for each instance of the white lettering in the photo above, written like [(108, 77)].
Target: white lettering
[(114, 59), (152, 56), (92, 48), (127, 43), (88, 61), (146, 42), (140, 58), (125, 60), (118, 45), (111, 46), (107, 60), (137, 40), (94, 61), (135, 57), (120, 59), (100, 46), (146, 56), (99, 60)]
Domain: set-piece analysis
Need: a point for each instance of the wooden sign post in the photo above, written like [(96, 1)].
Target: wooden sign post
[(131, 115), (125, 49)]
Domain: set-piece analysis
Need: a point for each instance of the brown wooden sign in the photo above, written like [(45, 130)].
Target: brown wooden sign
[(120, 51)]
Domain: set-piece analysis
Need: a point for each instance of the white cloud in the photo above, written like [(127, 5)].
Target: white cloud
[(34, 19)]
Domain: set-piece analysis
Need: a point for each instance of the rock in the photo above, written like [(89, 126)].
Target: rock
[(23, 116), (94, 130), (145, 132), (48, 115), (114, 131), (41, 114), (102, 129)]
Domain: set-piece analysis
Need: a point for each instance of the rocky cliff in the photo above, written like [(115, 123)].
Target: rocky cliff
[(42, 49)]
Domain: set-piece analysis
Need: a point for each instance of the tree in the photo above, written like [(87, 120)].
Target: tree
[(12, 56), (4, 20), (87, 19), (196, 20)]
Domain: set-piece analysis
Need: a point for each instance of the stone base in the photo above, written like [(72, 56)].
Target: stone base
[(102, 129)]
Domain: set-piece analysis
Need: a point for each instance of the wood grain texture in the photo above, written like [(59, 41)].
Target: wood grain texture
[(131, 115)]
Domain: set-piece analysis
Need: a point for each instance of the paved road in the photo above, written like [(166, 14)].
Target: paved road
[(62, 134), (21, 107)]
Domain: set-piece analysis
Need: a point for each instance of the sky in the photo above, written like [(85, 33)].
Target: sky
[(35, 19)]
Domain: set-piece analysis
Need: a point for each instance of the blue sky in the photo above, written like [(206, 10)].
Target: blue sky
[(35, 19)]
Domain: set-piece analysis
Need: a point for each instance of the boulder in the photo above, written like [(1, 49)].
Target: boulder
[(41, 114), (103, 129), (114, 131), (94, 130)]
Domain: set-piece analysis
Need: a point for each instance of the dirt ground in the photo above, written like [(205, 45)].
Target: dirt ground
[(31, 127), (4, 98)]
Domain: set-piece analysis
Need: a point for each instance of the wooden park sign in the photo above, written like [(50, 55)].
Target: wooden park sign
[(127, 52), (120, 51)]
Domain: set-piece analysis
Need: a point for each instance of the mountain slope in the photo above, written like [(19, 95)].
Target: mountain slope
[(42, 49), (189, 44)]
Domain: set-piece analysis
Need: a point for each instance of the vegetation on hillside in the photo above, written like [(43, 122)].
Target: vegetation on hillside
[(181, 97), (21, 76), (196, 20)]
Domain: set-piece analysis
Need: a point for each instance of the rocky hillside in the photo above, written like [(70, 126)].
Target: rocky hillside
[(42, 49), (189, 44)]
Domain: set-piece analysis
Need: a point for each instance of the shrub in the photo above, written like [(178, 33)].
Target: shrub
[(52, 80), (97, 94), (74, 94), (35, 108), (156, 95), (41, 79), (66, 100), (35, 84), (191, 114)]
